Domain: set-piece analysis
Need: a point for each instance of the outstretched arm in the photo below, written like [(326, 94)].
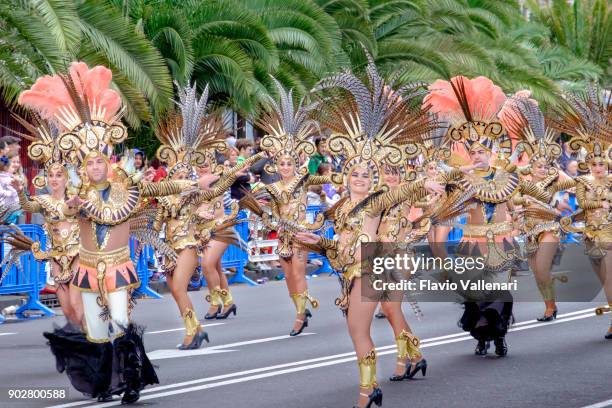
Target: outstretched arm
[(531, 189), (27, 203)]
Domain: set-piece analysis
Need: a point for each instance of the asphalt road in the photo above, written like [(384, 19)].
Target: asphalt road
[(252, 362)]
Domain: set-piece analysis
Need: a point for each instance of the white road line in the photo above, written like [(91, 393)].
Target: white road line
[(601, 404), (265, 372), (6, 334), (182, 328), (174, 353)]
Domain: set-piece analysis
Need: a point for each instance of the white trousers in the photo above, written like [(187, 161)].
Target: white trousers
[(103, 330)]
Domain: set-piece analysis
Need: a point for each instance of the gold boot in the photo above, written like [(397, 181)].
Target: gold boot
[(299, 300), (214, 298), (367, 378), (408, 346), (226, 298), (192, 329)]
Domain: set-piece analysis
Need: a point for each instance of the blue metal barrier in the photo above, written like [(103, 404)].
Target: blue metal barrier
[(142, 268), (312, 211), (29, 278)]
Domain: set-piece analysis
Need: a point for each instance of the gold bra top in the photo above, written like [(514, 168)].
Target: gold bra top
[(52, 209)]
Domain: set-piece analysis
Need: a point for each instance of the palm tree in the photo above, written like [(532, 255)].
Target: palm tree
[(39, 37), (584, 28)]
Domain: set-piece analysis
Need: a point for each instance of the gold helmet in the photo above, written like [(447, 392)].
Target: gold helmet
[(288, 129), (190, 135), (372, 124)]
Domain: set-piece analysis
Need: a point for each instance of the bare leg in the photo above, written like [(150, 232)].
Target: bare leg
[(541, 263), (63, 296), (359, 320), (178, 282), (211, 258), (440, 238), (604, 273), (295, 275)]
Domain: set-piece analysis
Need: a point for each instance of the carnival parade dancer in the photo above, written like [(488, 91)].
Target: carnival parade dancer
[(393, 229), (288, 128), (470, 108), (365, 123), (588, 119), (522, 117), (185, 134), (434, 154), (214, 230), (62, 230), (109, 358)]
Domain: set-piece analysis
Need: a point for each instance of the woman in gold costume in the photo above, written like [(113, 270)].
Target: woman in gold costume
[(185, 134), (540, 224), (288, 128), (62, 229), (365, 124), (588, 119)]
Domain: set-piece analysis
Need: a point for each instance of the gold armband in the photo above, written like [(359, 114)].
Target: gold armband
[(165, 188)]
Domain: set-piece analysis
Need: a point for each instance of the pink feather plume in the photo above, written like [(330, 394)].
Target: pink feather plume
[(484, 98), (49, 94)]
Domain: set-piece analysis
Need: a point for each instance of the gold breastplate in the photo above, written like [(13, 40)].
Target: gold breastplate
[(121, 204)]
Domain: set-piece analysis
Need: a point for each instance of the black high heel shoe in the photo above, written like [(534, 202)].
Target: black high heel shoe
[(482, 348), (420, 366), (400, 377), (501, 348), (210, 316), (307, 314), (608, 335), (550, 318), (196, 342), (375, 397), (233, 308)]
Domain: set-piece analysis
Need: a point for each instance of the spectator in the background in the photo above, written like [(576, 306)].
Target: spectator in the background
[(245, 150), (567, 155), (2, 147), (11, 145), (243, 182), (140, 160), (319, 157), (572, 168), (330, 193), (160, 170), (231, 140), (7, 192)]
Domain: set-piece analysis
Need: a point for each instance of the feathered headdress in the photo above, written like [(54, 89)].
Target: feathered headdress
[(373, 125), (523, 118), (434, 148), (470, 108), (44, 147), (288, 129), (83, 107), (190, 135), (587, 117)]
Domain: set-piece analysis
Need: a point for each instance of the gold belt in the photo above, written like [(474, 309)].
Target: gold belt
[(110, 258), (481, 230)]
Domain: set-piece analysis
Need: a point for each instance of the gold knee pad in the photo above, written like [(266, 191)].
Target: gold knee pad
[(408, 345), (367, 370), (192, 324), (226, 297), (214, 297)]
